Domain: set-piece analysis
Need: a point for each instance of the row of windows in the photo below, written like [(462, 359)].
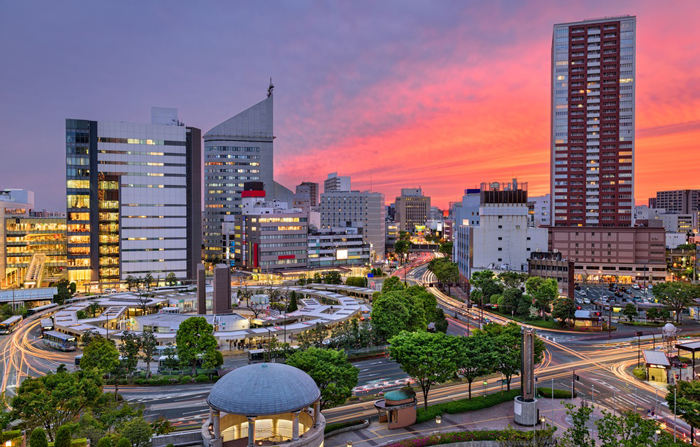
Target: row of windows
[(141, 141)]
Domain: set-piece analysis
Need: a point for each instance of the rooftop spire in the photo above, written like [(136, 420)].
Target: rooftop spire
[(270, 89)]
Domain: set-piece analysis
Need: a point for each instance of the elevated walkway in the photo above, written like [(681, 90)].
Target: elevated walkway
[(35, 271)]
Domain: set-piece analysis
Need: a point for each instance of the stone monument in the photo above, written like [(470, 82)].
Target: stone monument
[(525, 406)]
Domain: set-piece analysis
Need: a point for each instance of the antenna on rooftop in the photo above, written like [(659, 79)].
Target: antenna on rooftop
[(270, 89)]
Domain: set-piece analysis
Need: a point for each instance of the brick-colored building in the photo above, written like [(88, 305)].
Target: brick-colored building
[(612, 254), (555, 266)]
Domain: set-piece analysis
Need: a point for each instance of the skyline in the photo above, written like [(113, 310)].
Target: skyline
[(434, 86)]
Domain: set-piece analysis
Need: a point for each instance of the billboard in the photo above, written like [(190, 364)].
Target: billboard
[(341, 254)]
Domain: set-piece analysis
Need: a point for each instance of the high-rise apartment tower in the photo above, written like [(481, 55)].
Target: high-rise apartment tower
[(593, 125)]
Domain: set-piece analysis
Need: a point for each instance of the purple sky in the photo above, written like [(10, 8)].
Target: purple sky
[(439, 94)]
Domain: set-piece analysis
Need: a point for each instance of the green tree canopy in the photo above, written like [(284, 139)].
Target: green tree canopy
[(391, 284), (544, 291), (563, 309), (194, 340), (676, 295), (396, 311), (486, 282), (129, 350), (101, 354), (57, 399), (508, 343), (513, 279), (630, 311), (149, 348), (330, 369), (138, 432), (427, 357), (123, 442), (475, 356), (332, 277), (446, 249), (63, 437)]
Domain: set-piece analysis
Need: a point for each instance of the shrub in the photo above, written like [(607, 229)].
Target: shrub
[(558, 394), (333, 427), (105, 442), (38, 438), (640, 373), (462, 405), (63, 437), (123, 442), (202, 378), (161, 381), (186, 379), (139, 381), (8, 435)]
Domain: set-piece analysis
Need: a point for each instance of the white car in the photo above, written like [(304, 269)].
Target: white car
[(587, 301), (635, 286), (582, 293)]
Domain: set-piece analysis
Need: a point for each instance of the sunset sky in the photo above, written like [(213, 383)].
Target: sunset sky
[(440, 94)]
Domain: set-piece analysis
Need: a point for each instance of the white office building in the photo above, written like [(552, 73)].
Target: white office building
[(539, 209), (357, 209), (133, 198), (336, 182)]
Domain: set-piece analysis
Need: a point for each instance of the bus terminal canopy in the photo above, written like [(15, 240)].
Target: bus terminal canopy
[(656, 358)]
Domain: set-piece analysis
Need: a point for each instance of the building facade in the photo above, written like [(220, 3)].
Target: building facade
[(32, 244), (503, 240), (553, 266), (133, 198), (236, 151), (538, 210), (311, 189), (680, 201), (357, 209), (335, 247), (593, 122), (612, 254), (412, 209), (336, 182), (269, 237)]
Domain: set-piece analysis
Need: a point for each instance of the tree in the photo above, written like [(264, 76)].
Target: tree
[(64, 291), (446, 249), (676, 295), (171, 279), (195, 340), (441, 323), (544, 291), (38, 438), (508, 342), (653, 313), (474, 357), (512, 280), (401, 248), (123, 442), (129, 350), (394, 312), (485, 281), (149, 347), (101, 354), (331, 371), (105, 442), (293, 307), (630, 430), (687, 404), (445, 271), (148, 281), (131, 282), (138, 432), (391, 284), (56, 399), (427, 357), (578, 435), (63, 438), (510, 301), (563, 309), (332, 277), (93, 308), (630, 311)]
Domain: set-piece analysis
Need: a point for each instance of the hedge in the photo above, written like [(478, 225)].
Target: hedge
[(80, 442), (339, 425), (640, 373), (466, 436), (558, 394), (463, 405), (173, 380), (9, 435)]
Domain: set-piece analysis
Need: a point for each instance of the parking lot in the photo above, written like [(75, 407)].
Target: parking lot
[(592, 293)]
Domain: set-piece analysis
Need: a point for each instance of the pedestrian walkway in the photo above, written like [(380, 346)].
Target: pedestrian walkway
[(494, 418)]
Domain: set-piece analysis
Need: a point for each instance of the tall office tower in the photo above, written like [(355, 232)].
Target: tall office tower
[(236, 151), (336, 182), (133, 198), (311, 189), (355, 209), (680, 201), (412, 209), (593, 125)]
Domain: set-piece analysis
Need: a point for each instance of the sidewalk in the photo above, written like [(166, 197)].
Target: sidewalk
[(494, 418)]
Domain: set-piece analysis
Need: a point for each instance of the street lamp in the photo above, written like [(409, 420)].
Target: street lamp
[(438, 420)]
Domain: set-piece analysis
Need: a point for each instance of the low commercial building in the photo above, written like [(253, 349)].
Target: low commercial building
[(612, 254), (269, 237), (680, 263), (168, 323), (392, 234), (335, 247), (553, 266), (32, 244)]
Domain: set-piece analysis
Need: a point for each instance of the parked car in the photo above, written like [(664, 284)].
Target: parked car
[(618, 294), (587, 301), (582, 293), (635, 286), (577, 287)]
